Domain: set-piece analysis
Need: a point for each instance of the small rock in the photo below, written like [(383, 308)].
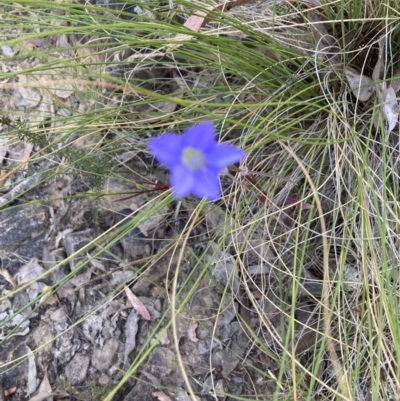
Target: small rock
[(155, 292), (227, 360), (116, 203), (76, 369), (66, 345), (152, 222), (104, 357), (158, 368), (104, 380), (43, 334), (59, 316), (33, 219), (136, 244), (73, 242)]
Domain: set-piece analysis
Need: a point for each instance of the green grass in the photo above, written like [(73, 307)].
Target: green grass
[(254, 72)]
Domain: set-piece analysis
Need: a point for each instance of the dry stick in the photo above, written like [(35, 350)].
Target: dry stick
[(340, 376)]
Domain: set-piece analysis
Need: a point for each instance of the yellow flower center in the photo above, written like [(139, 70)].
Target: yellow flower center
[(193, 159)]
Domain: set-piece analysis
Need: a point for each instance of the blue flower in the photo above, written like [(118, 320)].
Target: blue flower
[(195, 160)]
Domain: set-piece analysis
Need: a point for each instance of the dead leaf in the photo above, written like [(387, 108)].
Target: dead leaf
[(153, 222), (42, 397), (32, 372), (199, 19), (224, 269), (137, 304), (361, 85), (165, 106), (25, 97), (29, 272), (59, 316), (45, 387), (83, 278), (63, 293), (386, 96), (192, 331), (161, 396), (181, 395), (119, 277), (395, 82), (228, 360), (218, 220), (390, 108), (132, 326)]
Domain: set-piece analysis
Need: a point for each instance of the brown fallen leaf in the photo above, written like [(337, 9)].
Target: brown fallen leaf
[(161, 396), (137, 304)]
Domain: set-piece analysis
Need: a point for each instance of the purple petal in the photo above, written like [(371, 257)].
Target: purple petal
[(206, 185), (224, 155), (182, 181), (167, 149), (200, 136)]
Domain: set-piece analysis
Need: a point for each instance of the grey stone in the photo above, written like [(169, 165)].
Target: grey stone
[(22, 235), (73, 242), (104, 380), (76, 370), (16, 226), (43, 334), (103, 358), (160, 365), (136, 244)]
